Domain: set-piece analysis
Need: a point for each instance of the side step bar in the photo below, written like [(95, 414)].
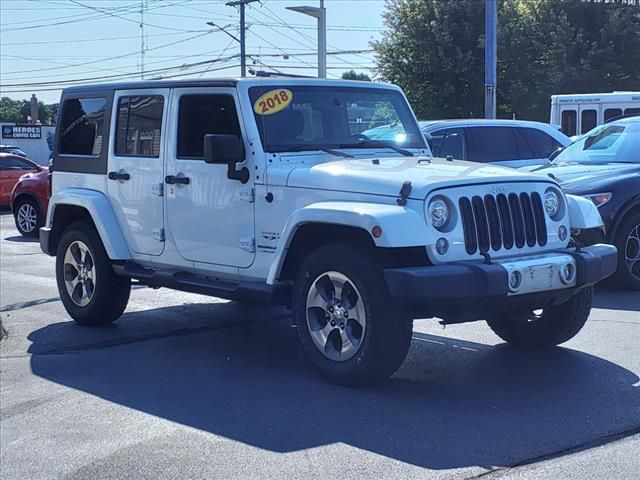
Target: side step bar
[(255, 292)]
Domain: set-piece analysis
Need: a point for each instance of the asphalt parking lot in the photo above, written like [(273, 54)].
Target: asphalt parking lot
[(185, 386)]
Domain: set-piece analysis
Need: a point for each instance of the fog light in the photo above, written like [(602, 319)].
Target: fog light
[(515, 280), (442, 246), (562, 233), (567, 273)]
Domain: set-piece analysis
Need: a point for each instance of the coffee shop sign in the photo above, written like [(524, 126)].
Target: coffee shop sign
[(22, 131)]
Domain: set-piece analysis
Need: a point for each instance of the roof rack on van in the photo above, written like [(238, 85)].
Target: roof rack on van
[(620, 117), (263, 73)]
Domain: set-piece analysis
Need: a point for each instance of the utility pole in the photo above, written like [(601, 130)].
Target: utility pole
[(243, 58), (490, 57), (142, 43), (321, 15)]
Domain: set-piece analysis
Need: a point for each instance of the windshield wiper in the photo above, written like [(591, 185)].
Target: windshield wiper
[(303, 148), (374, 144)]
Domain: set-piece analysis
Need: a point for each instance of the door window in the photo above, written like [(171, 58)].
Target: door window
[(448, 141), (138, 126), (632, 111), (15, 163), (569, 119), (526, 150), (82, 126), (200, 115), (610, 113), (491, 144), (589, 120), (542, 143)]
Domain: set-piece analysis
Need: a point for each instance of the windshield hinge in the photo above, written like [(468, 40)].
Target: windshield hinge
[(405, 191), (248, 195)]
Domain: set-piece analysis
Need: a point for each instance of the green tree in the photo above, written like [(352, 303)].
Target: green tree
[(18, 111), (11, 110), (353, 75), (434, 49)]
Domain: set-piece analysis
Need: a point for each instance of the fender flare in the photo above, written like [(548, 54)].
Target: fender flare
[(620, 216), (99, 208), (401, 227)]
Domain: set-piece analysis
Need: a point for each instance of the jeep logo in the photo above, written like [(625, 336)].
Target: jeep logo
[(495, 189)]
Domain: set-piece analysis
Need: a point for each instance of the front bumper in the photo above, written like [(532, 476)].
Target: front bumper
[(472, 289)]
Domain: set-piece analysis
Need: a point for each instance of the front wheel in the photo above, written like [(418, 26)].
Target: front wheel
[(547, 327), (90, 290), (628, 243), (28, 217), (349, 328)]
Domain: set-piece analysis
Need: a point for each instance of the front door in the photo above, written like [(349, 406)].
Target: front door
[(136, 167), (210, 217)]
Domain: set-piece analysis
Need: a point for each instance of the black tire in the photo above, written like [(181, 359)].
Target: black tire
[(384, 342), (626, 241), (110, 293), (555, 325), (25, 202)]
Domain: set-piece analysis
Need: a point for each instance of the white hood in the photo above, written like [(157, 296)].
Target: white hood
[(385, 176)]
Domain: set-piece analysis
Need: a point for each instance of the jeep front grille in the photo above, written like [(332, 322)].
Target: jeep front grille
[(502, 221)]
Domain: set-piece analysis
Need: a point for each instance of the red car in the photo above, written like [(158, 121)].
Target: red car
[(25, 186)]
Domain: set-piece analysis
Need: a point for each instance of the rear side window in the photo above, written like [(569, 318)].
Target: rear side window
[(610, 113), (589, 120), (569, 119), (632, 111), (542, 143), (139, 125), (448, 141), (203, 114), (82, 126), (491, 144)]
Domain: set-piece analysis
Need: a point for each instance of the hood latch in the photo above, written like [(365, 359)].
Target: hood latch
[(405, 191)]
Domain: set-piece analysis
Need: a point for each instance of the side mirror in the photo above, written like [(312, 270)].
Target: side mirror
[(554, 154), (229, 149)]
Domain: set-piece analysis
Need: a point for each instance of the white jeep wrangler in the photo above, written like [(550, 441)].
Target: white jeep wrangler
[(276, 190)]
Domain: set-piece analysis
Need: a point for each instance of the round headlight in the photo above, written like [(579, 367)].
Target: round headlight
[(552, 203), (438, 212)]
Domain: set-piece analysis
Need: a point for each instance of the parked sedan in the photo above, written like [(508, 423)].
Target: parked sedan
[(604, 166), (511, 143), (12, 149)]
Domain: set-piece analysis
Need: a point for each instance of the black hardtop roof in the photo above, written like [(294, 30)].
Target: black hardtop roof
[(146, 84)]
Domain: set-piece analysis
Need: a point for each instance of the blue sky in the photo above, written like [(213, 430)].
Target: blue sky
[(43, 42)]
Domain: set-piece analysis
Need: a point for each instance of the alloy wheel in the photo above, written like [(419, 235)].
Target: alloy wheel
[(27, 217), (336, 317), (632, 252), (79, 273)]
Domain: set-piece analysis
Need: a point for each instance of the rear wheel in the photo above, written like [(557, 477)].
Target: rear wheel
[(350, 330), (89, 288), (547, 327), (628, 243), (27, 216)]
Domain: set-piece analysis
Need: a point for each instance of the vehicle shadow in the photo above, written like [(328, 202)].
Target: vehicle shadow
[(238, 373), (21, 239), (615, 299)]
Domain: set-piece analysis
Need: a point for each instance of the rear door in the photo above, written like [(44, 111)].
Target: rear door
[(136, 166)]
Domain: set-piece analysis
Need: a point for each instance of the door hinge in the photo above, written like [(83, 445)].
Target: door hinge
[(248, 195), (248, 244), (157, 189), (158, 234)]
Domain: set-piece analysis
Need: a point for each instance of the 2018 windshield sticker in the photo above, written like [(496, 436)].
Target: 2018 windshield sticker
[(273, 101)]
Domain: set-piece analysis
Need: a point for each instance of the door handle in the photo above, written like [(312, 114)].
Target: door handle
[(119, 176), (172, 180)]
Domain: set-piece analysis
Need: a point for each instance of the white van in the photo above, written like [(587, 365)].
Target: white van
[(579, 113)]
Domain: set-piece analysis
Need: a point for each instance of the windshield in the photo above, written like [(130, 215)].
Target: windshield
[(604, 144), (296, 118)]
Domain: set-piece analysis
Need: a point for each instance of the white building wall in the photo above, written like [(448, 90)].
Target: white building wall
[(36, 149)]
